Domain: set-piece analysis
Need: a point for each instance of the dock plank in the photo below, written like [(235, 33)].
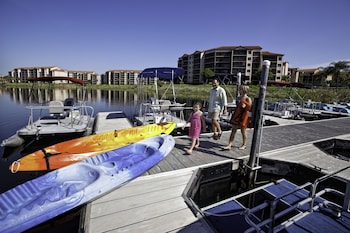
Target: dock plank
[(134, 208), (136, 189), (144, 213), (309, 155), (162, 224), (132, 202), (153, 202)]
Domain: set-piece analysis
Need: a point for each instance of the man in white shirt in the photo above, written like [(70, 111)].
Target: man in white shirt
[(217, 105)]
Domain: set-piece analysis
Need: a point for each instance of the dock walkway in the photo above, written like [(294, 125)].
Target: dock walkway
[(153, 202)]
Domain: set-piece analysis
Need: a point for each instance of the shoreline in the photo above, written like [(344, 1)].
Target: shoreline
[(201, 91)]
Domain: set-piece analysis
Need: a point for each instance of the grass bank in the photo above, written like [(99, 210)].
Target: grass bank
[(201, 92), (273, 93)]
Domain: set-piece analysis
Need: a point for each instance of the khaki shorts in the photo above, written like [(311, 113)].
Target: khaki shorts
[(214, 115)]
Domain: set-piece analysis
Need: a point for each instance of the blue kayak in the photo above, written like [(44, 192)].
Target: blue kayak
[(61, 190)]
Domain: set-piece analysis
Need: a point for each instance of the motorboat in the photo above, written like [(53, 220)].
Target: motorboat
[(60, 118), (56, 119), (320, 110), (158, 110), (217, 195), (284, 108)]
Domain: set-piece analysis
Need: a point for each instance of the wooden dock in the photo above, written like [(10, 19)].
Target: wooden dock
[(153, 202)]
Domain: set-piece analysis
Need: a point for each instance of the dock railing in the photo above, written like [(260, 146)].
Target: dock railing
[(336, 209)]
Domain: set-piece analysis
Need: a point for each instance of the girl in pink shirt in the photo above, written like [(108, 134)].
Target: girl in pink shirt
[(197, 123)]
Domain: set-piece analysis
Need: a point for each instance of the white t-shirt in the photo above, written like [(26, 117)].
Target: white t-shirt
[(217, 99)]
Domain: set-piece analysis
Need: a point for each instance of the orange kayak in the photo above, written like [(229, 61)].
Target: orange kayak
[(72, 151)]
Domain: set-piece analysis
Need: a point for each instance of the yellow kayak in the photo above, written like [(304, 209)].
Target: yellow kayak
[(72, 151)]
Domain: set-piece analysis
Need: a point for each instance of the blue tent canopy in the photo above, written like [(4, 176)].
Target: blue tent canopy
[(165, 73)]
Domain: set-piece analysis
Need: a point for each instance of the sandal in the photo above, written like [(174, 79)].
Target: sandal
[(227, 148), (243, 147), (219, 135)]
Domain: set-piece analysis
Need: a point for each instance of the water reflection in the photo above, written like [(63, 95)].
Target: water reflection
[(95, 97), (14, 115), (29, 96)]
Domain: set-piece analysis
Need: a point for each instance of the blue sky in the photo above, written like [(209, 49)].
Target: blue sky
[(101, 35)]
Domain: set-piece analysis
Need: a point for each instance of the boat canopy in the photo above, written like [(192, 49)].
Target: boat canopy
[(56, 78), (163, 73)]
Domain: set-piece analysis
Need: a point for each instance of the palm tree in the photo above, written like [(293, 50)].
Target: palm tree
[(335, 68), (320, 77)]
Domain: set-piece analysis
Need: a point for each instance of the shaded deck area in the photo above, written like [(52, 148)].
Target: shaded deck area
[(153, 202)]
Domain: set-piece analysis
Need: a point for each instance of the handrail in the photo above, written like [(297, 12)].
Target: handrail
[(321, 179), (150, 109), (257, 227), (272, 211), (277, 199), (310, 199), (84, 110)]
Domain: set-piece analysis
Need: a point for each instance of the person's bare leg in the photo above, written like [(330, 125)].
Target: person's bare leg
[(217, 124), (244, 137), (232, 137), (217, 133), (213, 127), (197, 144), (189, 151)]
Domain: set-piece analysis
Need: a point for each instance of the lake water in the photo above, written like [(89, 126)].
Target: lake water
[(14, 115)]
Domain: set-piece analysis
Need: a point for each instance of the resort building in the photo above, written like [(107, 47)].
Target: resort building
[(276, 66), (293, 75), (312, 78), (226, 62), (22, 74), (230, 60), (121, 77)]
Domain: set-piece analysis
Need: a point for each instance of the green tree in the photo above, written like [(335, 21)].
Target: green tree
[(319, 78), (335, 68), (207, 72), (286, 78), (257, 76)]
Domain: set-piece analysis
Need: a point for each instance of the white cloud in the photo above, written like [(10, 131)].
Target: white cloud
[(325, 64)]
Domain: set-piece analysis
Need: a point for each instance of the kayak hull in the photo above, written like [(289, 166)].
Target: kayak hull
[(59, 191), (72, 151)]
